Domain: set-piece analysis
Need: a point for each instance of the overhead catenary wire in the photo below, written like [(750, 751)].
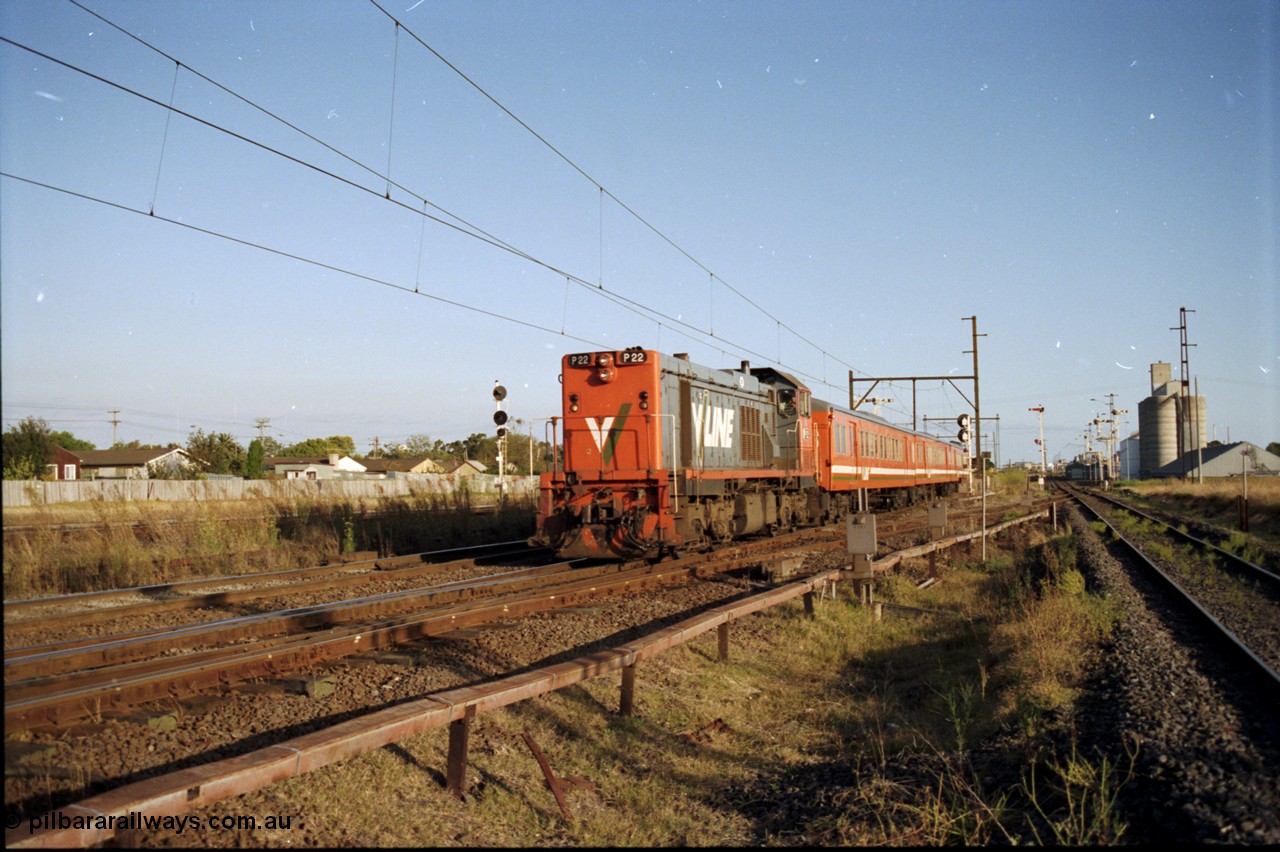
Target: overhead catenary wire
[(465, 227)]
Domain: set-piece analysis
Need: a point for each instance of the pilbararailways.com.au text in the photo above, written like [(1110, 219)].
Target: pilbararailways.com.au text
[(135, 821)]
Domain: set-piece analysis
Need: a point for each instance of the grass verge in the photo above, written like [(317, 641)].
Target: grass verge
[(834, 730)]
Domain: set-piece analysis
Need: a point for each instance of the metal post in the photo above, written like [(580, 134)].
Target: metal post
[(722, 642)]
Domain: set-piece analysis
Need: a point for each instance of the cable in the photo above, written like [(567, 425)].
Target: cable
[(469, 229), (600, 186)]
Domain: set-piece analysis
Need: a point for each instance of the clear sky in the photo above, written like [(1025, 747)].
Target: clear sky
[(828, 186)]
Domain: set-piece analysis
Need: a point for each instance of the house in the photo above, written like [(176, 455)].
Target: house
[(465, 468), (312, 467), (118, 464), (384, 468)]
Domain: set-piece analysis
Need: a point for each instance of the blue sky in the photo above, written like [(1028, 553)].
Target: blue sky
[(825, 186)]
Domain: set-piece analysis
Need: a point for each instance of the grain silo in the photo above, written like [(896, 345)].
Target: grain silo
[(1158, 421)]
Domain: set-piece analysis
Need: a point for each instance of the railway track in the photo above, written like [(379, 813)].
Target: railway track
[(57, 683), (63, 682), (1236, 599), (57, 612)]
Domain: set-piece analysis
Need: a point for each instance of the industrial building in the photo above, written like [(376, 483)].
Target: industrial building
[(1239, 459), (1171, 422)]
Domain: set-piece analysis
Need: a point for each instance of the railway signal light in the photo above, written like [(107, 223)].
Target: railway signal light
[(963, 422)]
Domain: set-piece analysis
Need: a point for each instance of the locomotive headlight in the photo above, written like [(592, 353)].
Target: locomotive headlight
[(604, 360), (573, 402), (606, 374), (644, 400)]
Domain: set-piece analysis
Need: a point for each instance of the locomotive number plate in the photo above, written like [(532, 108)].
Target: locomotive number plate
[(630, 356)]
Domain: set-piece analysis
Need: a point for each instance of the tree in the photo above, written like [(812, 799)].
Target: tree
[(253, 461), (70, 442), (1274, 447), (27, 448), (343, 445), (135, 444), (216, 452)]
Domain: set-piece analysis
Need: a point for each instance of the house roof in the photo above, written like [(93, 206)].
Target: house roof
[(272, 461), (398, 465), (122, 458), (478, 467)]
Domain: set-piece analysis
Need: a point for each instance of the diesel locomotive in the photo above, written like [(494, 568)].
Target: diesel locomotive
[(656, 454)]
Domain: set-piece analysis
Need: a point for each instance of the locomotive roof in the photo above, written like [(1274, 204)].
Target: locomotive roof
[(770, 376)]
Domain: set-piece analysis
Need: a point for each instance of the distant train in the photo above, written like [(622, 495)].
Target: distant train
[(659, 454)]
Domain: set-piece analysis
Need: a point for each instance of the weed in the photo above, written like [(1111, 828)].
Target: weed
[(1080, 807)]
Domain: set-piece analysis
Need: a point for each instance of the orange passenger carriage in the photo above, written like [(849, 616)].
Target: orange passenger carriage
[(658, 454)]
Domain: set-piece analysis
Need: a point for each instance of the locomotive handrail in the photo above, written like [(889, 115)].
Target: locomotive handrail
[(675, 481)]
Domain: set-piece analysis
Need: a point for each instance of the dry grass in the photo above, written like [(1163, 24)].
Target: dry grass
[(1216, 502), (835, 713), (135, 543)]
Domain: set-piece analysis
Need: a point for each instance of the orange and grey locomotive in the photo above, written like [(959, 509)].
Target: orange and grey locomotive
[(658, 454)]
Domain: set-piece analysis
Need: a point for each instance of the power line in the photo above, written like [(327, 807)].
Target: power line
[(400, 25), (470, 230), (475, 230)]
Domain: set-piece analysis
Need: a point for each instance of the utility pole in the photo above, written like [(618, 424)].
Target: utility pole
[(1184, 392), (376, 446), (262, 423), (977, 404), (115, 421)]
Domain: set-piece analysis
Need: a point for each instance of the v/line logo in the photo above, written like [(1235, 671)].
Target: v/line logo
[(715, 425), (606, 430)]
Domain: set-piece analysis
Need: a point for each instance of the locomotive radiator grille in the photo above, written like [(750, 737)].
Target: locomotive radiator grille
[(749, 418)]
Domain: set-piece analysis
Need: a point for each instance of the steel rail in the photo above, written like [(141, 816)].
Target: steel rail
[(1236, 560), (56, 658), (88, 694), (102, 815), (1221, 630), (333, 575)]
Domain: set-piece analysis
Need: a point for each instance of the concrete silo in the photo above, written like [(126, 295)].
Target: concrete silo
[(1158, 421)]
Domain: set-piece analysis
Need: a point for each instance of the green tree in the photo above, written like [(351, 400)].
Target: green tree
[(341, 444), (27, 448), (70, 442), (135, 444), (216, 452), (253, 461), (1274, 447)]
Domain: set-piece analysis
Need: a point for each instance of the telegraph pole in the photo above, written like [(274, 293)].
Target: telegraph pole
[(262, 423), (1184, 431), (115, 421), (977, 404)]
